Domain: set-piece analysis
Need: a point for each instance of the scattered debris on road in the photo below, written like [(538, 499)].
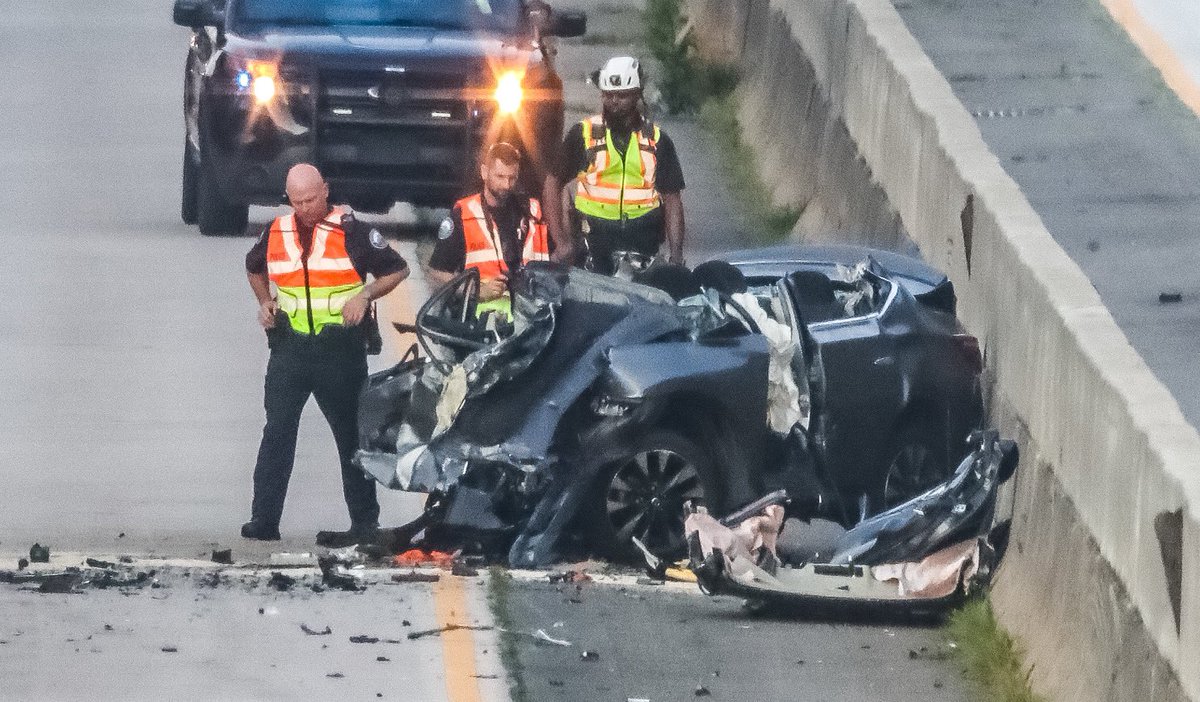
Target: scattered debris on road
[(569, 576), (1168, 297), (589, 656), (313, 632), (364, 639), (281, 582), (336, 577), (22, 563), (223, 556), (414, 635)]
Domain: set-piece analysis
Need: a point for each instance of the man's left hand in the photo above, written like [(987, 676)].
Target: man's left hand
[(355, 309)]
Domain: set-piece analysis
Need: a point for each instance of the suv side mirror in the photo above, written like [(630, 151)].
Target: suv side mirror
[(197, 13), (567, 23)]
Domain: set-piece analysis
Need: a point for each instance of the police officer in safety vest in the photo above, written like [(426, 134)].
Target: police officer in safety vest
[(495, 231), (627, 181), (319, 260)]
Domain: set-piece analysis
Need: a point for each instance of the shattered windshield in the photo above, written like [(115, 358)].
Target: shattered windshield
[(494, 15)]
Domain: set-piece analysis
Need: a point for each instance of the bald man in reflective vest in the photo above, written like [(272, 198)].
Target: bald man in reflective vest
[(495, 231), (318, 259), (626, 182)]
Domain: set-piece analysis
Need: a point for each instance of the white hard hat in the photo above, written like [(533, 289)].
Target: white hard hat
[(620, 73)]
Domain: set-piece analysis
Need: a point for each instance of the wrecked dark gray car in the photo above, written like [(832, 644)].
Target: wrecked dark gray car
[(840, 375)]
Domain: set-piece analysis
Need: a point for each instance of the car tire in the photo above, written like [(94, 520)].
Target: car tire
[(916, 461), (189, 205), (643, 495), (216, 215)]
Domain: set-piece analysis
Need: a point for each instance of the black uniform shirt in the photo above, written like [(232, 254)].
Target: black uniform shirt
[(368, 251), (668, 176), (450, 250)]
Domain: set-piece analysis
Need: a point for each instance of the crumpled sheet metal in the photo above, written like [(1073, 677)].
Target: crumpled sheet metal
[(743, 545), (936, 575), (750, 564)]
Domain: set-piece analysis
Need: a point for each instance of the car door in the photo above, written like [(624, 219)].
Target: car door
[(861, 388)]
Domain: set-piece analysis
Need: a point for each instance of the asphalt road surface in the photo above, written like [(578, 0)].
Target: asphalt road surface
[(1104, 151), (131, 372)]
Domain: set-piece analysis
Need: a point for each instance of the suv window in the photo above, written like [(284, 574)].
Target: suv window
[(495, 15)]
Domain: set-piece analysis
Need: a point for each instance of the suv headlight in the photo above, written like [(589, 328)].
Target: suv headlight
[(259, 78), (509, 92)]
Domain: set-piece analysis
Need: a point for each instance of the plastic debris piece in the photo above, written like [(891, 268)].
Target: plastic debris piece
[(569, 576), (382, 659), (364, 639), (313, 632), (223, 556), (334, 675), (22, 563), (39, 554), (682, 575), (541, 635), (412, 636), (417, 557), (414, 577), (590, 656), (281, 582), (169, 649), (463, 570), (1168, 297), (702, 691), (334, 577)]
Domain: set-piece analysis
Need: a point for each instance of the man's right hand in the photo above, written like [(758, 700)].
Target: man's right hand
[(492, 288), (266, 314)]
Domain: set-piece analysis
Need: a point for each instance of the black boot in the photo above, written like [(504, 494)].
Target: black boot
[(260, 531), (341, 539)]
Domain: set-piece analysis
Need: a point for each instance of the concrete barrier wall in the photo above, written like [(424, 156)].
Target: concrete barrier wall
[(1102, 582)]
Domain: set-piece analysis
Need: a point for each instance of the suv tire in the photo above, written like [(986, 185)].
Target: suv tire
[(216, 215), (189, 206)]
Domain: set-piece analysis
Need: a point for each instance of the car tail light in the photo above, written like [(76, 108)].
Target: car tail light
[(968, 346)]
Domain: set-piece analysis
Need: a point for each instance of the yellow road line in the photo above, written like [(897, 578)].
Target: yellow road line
[(1155, 48), (458, 645)]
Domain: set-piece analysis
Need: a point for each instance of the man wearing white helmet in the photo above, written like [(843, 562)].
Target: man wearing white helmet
[(628, 183)]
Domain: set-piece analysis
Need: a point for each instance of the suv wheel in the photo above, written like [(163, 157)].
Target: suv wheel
[(189, 206), (215, 215), (643, 495)]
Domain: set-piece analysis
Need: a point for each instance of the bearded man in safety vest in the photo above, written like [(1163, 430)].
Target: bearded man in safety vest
[(318, 258), (495, 231), (628, 183)]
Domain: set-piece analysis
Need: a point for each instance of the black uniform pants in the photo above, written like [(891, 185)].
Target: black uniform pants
[(331, 367), (604, 237)]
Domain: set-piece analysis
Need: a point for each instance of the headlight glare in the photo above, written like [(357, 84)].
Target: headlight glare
[(509, 92), (264, 89)]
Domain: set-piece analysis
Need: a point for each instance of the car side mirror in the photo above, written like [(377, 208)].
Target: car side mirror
[(567, 23), (197, 13)]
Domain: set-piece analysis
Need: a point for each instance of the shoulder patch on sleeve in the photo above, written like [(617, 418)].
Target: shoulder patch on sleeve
[(377, 240), (446, 228)]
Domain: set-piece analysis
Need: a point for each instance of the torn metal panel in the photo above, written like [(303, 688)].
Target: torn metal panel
[(932, 548)]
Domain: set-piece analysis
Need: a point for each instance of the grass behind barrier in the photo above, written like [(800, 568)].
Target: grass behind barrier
[(991, 658), (499, 591), (718, 116)]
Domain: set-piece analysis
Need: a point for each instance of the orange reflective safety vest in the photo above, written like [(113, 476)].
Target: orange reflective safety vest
[(483, 250), (618, 186), (313, 290), (483, 241)]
